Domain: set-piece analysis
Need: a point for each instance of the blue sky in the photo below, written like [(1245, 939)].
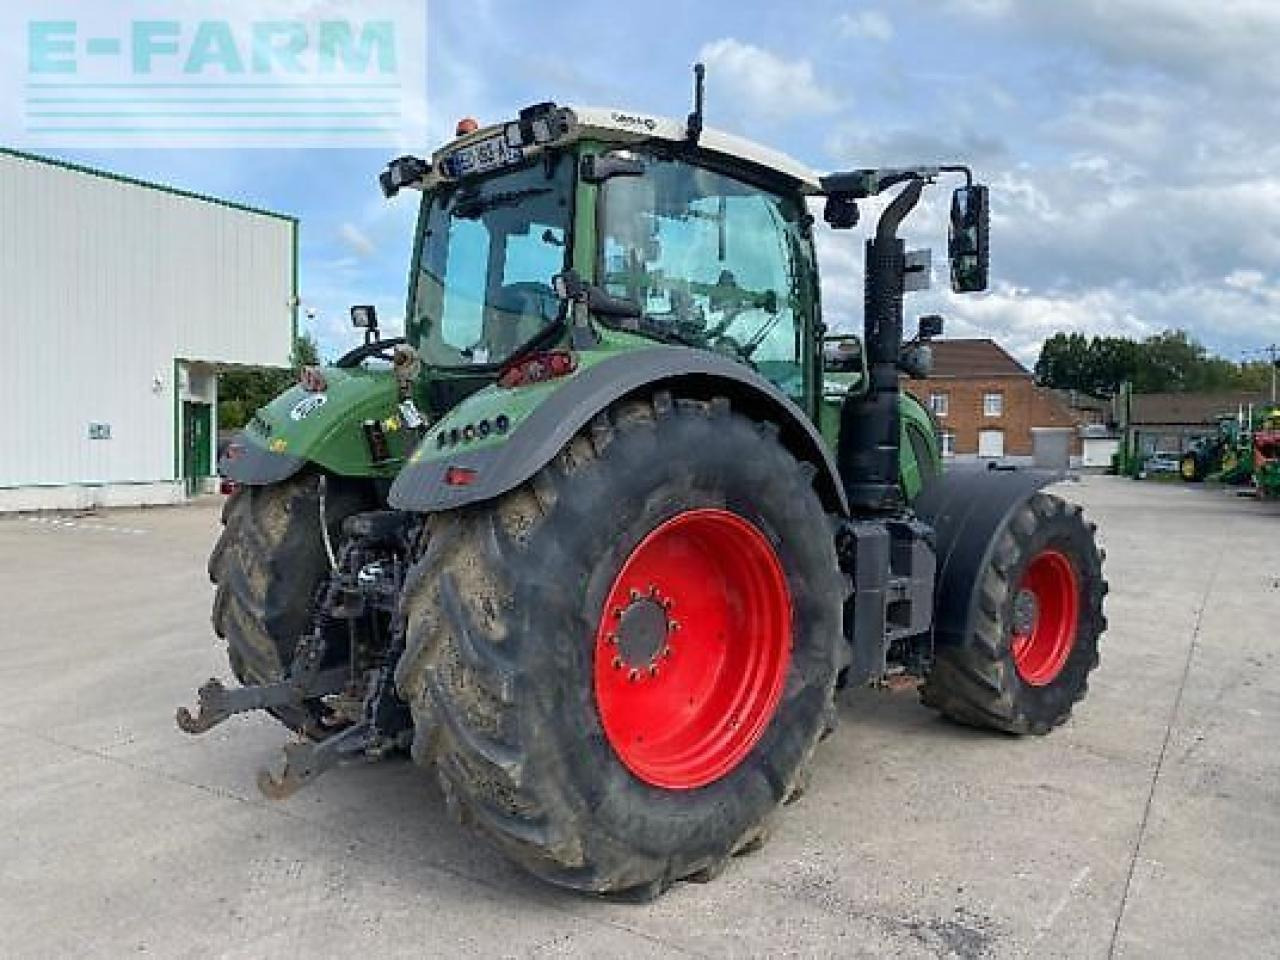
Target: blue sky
[(1129, 143)]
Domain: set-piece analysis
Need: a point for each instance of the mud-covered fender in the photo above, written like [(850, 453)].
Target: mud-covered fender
[(569, 405), (967, 509), (321, 427), (248, 463)]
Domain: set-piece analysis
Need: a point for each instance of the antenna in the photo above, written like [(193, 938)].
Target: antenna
[(694, 129)]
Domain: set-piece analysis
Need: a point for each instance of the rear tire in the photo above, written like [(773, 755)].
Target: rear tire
[(509, 614), (1032, 639), (267, 566)]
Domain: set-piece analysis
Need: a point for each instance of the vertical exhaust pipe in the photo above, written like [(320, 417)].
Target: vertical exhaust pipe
[(868, 452)]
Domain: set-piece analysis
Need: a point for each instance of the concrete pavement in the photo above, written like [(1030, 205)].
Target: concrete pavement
[(1149, 826)]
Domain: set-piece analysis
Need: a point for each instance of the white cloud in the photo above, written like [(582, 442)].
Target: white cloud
[(764, 83), (1245, 279), (1226, 41), (865, 25), (355, 238)]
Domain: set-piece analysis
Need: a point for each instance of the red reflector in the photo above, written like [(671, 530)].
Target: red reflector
[(460, 476), (536, 368)]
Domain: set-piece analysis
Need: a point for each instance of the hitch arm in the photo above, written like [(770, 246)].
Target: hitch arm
[(305, 760), (217, 703)]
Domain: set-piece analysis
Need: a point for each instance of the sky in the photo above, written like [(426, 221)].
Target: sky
[(1130, 144)]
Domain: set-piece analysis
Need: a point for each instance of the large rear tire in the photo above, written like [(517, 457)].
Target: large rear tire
[(267, 566), (1025, 656), (621, 669)]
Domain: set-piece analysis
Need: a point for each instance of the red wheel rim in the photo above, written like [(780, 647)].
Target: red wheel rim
[(1046, 615), (692, 649)]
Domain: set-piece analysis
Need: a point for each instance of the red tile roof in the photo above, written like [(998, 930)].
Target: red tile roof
[(974, 358)]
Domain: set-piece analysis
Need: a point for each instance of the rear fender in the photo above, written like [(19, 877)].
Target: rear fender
[(539, 420)]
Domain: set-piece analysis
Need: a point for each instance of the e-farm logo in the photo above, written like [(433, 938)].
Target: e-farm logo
[(240, 73)]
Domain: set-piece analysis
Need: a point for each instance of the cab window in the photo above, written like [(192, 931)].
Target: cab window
[(712, 261)]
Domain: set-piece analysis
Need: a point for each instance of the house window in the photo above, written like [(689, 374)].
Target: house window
[(938, 403), (948, 443), (993, 404)]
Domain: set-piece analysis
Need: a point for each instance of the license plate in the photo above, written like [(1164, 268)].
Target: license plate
[(481, 157)]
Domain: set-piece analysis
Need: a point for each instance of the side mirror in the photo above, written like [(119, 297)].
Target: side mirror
[(969, 243), (930, 327), (365, 317)]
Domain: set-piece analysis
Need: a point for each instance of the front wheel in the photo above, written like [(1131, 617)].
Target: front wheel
[(1023, 659), (267, 565), (621, 669)]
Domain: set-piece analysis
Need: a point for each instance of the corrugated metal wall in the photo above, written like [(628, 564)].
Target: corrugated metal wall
[(103, 285)]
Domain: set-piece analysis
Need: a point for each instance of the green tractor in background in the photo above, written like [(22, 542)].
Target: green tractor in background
[(1238, 452), (602, 535), (1212, 455)]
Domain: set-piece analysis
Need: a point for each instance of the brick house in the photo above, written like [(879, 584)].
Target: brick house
[(987, 403)]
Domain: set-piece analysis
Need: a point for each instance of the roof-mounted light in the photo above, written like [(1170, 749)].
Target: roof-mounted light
[(539, 124), (402, 172)]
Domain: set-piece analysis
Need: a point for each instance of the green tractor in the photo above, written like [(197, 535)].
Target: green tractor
[(601, 537)]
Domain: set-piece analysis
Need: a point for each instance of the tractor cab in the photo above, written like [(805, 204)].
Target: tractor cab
[(667, 233), (704, 244)]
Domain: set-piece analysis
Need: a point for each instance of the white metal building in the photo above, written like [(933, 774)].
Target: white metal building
[(119, 300)]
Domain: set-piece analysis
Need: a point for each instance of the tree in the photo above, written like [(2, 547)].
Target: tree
[(1064, 362), (1112, 361), (1170, 361), (242, 390)]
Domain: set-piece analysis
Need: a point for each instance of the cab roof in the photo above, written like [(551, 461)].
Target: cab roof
[(628, 126), (610, 124)]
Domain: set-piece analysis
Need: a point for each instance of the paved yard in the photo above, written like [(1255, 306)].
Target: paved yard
[(1148, 827)]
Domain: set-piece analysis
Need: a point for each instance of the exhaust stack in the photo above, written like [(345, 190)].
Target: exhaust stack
[(869, 426)]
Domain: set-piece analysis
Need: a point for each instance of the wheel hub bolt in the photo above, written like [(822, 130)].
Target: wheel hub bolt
[(1026, 609)]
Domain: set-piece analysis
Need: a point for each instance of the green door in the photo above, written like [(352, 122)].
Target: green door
[(197, 461)]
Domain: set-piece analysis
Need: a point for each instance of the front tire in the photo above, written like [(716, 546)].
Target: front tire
[(267, 565), (1025, 656), (595, 744)]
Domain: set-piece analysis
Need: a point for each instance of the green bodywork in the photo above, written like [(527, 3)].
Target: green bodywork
[(332, 434)]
